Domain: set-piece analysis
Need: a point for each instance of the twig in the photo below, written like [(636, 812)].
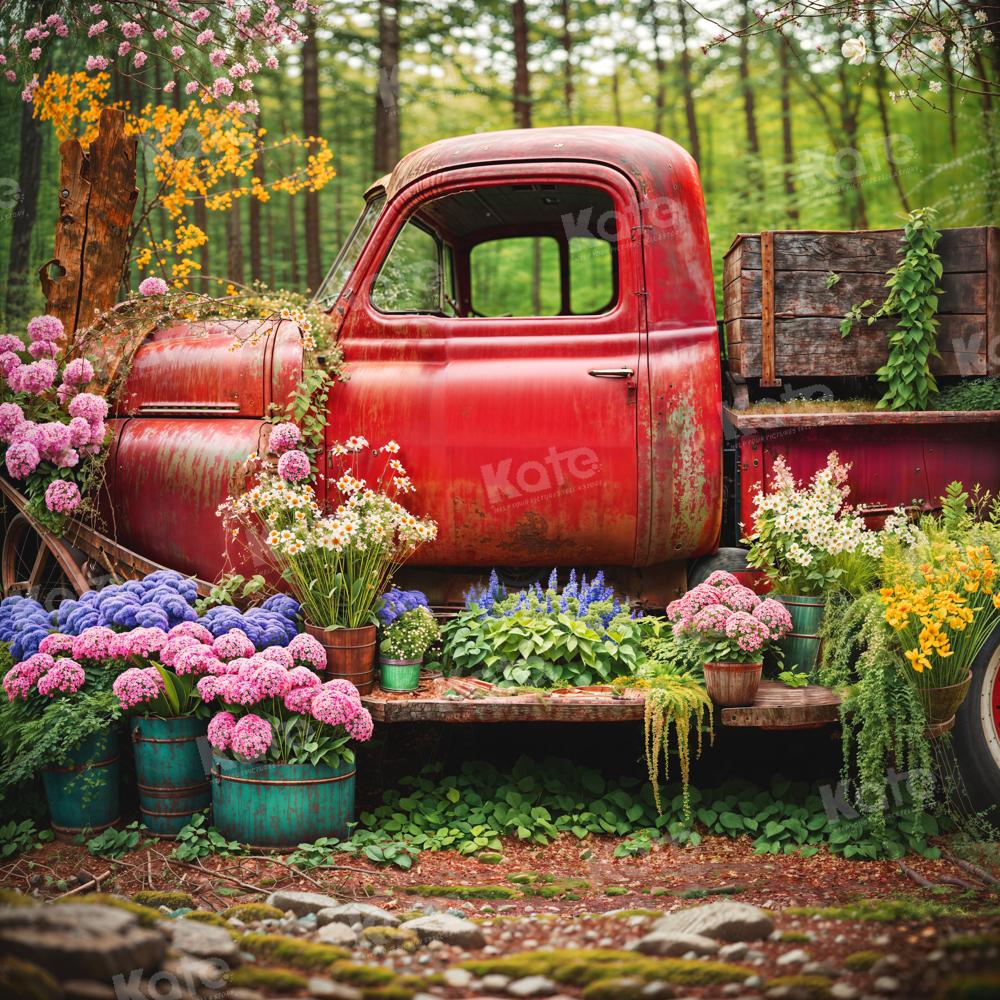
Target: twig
[(286, 864), (149, 870), (924, 883), (960, 882), (981, 873), (94, 883), (250, 887)]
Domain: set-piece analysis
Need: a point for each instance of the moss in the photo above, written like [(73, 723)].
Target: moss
[(256, 977), (205, 917), (394, 992), (637, 912), (972, 942), (405, 915), (292, 951), (861, 961), (812, 986), (148, 917), (390, 937), (614, 989), (795, 937), (697, 892), (894, 910), (616, 890), (549, 888), (464, 891), (580, 968), (489, 858), (361, 975), (974, 987), (249, 912), (26, 981), (528, 878), (11, 897), (171, 900)]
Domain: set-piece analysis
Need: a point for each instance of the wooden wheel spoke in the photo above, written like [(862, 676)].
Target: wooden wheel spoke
[(42, 558)]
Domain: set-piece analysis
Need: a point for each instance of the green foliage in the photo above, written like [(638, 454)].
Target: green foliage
[(666, 655), (314, 855), (971, 394), (16, 838), (198, 840), (112, 843), (913, 302), (410, 635), (793, 678), (955, 514), (231, 588)]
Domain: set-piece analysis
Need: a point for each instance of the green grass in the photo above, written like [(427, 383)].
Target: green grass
[(463, 891)]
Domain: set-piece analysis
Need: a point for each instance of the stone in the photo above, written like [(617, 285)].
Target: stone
[(671, 944), (753, 982), (301, 903), (242, 993), (495, 983), (794, 957), (844, 991), (388, 937), (886, 985), (726, 920), (657, 990), (204, 941), (734, 952), (356, 913), (450, 930), (326, 989), (532, 986), (732, 990), (337, 934), (81, 940), (821, 969), (198, 974), (458, 979)]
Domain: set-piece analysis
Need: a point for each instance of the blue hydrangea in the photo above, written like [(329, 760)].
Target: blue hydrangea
[(397, 602)]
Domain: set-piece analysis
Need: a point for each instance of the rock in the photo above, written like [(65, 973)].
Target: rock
[(337, 934), (794, 957), (726, 920), (668, 944), (495, 983), (357, 913), (87, 989), (326, 989), (81, 941), (532, 986), (732, 990), (657, 990), (844, 991), (451, 930), (388, 937), (753, 982), (886, 984), (197, 974), (204, 941), (459, 979), (242, 993), (733, 952), (821, 969), (301, 903)]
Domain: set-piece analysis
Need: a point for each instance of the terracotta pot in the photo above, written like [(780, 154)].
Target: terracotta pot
[(732, 684), (941, 703), (350, 653)]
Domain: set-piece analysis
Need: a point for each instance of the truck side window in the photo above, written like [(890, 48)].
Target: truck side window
[(410, 279), (591, 275), (515, 277)]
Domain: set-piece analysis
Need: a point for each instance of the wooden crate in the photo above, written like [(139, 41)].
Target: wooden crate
[(788, 323)]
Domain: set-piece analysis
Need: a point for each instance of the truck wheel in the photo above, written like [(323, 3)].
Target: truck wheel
[(976, 736), (732, 560), (35, 564)]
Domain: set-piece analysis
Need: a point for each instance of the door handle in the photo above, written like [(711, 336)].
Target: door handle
[(611, 372)]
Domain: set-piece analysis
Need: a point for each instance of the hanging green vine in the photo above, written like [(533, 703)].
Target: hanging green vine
[(913, 302), (679, 701)]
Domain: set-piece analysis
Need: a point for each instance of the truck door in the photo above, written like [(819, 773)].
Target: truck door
[(495, 331)]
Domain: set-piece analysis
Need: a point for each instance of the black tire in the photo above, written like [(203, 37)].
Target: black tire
[(976, 736), (732, 560)]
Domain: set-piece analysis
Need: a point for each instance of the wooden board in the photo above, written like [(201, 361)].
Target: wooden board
[(779, 707), (751, 421)]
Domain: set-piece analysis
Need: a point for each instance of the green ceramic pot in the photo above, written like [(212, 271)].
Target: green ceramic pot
[(399, 675), (801, 645)]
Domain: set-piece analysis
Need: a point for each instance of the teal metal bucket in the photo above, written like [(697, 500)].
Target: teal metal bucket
[(399, 675), (170, 772), (83, 793), (801, 645), (281, 805)]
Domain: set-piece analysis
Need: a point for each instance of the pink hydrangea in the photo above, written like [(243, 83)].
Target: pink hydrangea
[(740, 598), (22, 677), (174, 645), (9, 361), (775, 616), (711, 619), (293, 466), (360, 726), (278, 654), (693, 601), (93, 643), (242, 666), (251, 737), (344, 686), (34, 378), (137, 642), (207, 687), (65, 393), (271, 681), (97, 433), (51, 439), (57, 643), (67, 459), (232, 644), (749, 634), (283, 437), (307, 651), (303, 677), (63, 677), (722, 579), (79, 432), (194, 630), (194, 659), (137, 685), (11, 417), (62, 496), (152, 286), (78, 372), (45, 328), (43, 349), (300, 699), (220, 730), (8, 342), (22, 459), (92, 408), (334, 707)]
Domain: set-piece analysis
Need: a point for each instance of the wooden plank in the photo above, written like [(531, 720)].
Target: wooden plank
[(750, 422), (805, 293), (779, 707), (813, 346), (768, 378), (993, 301), (877, 250)]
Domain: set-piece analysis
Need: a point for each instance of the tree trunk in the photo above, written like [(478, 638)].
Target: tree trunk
[(616, 95), (989, 129), (749, 109), (949, 69), (689, 109), (522, 76), (659, 96), (24, 201), (204, 251), (883, 115), (234, 238), (787, 145), (256, 256), (387, 91), (566, 40), (311, 128), (848, 105)]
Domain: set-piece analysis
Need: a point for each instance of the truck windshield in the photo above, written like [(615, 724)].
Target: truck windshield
[(337, 276)]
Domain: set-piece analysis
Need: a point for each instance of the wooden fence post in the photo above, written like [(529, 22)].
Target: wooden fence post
[(97, 196)]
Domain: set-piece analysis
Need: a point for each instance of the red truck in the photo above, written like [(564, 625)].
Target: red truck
[(532, 315)]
